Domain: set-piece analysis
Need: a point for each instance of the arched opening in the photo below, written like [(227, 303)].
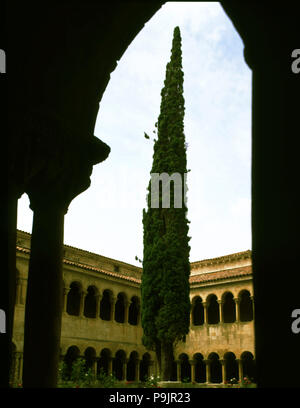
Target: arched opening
[(73, 299), (105, 305), (90, 302), (118, 364), (231, 367), (185, 368), (103, 362), (133, 312), (229, 311), (90, 358), (120, 308), (144, 366), (198, 312), (248, 366), (213, 312), (215, 368), (246, 306), (71, 355), (132, 366), (200, 368)]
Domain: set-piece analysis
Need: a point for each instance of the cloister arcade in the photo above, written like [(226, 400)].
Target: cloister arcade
[(93, 303), (228, 309), (101, 319), (199, 368)]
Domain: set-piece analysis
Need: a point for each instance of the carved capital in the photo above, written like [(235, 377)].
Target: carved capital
[(59, 161)]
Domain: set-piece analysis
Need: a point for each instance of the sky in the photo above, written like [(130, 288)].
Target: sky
[(107, 218)]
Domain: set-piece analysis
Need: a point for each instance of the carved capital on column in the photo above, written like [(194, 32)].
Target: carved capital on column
[(60, 161)]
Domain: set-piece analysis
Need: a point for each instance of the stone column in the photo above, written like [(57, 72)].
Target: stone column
[(207, 366), (240, 365), (237, 309), (65, 298), (83, 294), (223, 363), (44, 298), (113, 301), (205, 307), (221, 302), (193, 365), (98, 301), (8, 275)]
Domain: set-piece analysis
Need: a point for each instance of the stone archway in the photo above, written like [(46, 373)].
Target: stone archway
[(71, 355), (103, 364), (274, 169)]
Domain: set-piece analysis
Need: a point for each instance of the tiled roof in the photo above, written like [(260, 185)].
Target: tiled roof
[(222, 259), (202, 277), (227, 273), (90, 268), (93, 268)]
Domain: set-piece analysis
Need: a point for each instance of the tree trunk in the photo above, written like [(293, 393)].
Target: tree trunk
[(166, 361)]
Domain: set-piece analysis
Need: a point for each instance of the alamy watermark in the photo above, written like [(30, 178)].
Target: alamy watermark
[(296, 323), (2, 321), (165, 179), (296, 63), (2, 62)]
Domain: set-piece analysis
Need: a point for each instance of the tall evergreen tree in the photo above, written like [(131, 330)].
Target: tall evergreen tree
[(166, 268)]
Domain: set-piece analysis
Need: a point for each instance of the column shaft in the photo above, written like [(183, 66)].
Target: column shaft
[(42, 329)]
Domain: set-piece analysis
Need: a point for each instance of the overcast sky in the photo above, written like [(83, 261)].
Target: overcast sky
[(107, 218)]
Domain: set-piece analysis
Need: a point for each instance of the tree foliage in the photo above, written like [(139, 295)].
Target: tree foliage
[(166, 268)]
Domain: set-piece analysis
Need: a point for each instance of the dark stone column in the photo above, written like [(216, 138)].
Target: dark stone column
[(63, 171), (270, 35), (44, 299)]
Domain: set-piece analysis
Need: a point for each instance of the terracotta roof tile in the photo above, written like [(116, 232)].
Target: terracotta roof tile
[(227, 273), (201, 277)]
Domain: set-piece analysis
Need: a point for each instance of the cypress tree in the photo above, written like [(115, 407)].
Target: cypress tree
[(166, 269)]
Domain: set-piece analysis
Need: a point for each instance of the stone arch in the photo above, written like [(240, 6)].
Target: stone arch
[(231, 366), (133, 312), (228, 308), (200, 368), (145, 366), (74, 298), (90, 302), (120, 308), (104, 361), (213, 311), (71, 355), (106, 305), (245, 305), (185, 368), (197, 311), (132, 366), (215, 368), (118, 364), (248, 365)]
